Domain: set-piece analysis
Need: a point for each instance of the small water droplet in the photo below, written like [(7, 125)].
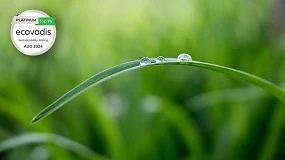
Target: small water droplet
[(145, 61), (160, 59), (184, 57)]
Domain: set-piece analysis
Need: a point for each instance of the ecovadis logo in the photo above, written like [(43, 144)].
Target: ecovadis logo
[(44, 31), (33, 32)]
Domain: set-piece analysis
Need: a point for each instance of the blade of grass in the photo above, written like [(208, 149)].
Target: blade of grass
[(274, 138), (32, 138), (232, 95), (132, 65)]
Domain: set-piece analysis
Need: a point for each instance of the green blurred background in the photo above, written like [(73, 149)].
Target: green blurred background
[(155, 113)]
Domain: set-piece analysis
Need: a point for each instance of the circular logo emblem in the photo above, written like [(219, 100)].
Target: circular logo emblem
[(33, 32)]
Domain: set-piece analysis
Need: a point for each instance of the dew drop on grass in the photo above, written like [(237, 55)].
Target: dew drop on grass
[(184, 57), (145, 61), (160, 59)]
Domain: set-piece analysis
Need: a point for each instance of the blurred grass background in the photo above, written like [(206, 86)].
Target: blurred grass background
[(154, 113)]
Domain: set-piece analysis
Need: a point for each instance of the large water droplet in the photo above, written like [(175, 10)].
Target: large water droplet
[(184, 57), (160, 59), (145, 61)]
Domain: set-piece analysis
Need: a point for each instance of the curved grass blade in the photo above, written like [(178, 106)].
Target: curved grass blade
[(232, 95), (108, 73), (33, 138)]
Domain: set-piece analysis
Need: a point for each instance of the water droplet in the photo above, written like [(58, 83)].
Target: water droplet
[(145, 61), (184, 57), (160, 59)]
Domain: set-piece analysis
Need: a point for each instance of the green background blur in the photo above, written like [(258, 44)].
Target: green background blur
[(155, 113)]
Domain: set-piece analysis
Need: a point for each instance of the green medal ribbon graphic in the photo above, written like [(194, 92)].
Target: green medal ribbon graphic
[(46, 21)]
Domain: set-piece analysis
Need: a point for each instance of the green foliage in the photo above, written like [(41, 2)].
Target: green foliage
[(33, 138), (108, 73), (169, 112)]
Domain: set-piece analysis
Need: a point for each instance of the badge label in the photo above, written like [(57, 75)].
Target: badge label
[(33, 32)]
